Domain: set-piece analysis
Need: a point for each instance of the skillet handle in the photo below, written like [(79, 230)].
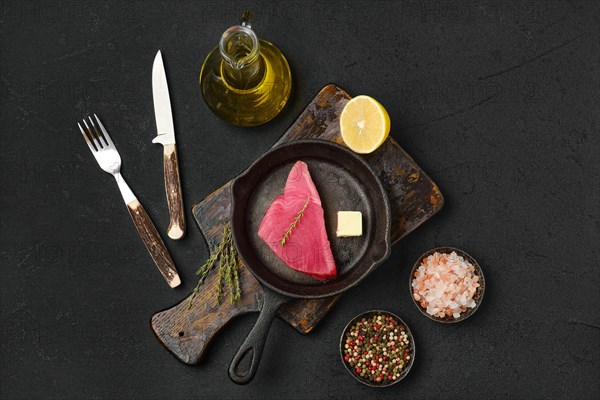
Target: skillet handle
[(255, 341)]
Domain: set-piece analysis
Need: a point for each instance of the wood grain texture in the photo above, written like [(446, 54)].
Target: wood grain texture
[(414, 198), (176, 228), (153, 242)]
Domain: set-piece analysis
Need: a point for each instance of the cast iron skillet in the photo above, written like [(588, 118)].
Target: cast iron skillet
[(345, 183)]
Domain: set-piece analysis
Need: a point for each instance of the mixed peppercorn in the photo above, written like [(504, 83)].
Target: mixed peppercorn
[(378, 348)]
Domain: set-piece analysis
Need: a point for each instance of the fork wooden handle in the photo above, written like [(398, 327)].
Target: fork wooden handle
[(154, 243), (173, 188)]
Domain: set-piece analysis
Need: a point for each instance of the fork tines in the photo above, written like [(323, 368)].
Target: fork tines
[(96, 139)]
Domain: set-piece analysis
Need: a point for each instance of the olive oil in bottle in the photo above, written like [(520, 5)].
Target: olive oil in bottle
[(245, 80)]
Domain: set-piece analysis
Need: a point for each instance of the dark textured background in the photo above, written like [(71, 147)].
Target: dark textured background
[(498, 102)]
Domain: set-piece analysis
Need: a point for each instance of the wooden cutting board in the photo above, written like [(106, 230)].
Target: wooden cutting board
[(414, 198)]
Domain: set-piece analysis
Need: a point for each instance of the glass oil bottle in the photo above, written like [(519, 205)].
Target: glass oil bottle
[(245, 80)]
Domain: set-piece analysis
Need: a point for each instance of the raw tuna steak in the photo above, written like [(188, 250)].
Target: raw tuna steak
[(306, 247)]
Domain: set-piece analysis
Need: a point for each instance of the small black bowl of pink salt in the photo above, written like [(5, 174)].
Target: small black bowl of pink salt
[(447, 285), (377, 348)]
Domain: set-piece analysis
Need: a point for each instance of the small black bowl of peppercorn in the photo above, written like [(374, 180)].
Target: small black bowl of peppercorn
[(377, 348)]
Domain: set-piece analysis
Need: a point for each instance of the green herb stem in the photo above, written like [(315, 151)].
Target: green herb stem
[(226, 256), (294, 223)]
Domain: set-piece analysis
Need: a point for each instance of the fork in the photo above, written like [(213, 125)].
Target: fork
[(107, 156)]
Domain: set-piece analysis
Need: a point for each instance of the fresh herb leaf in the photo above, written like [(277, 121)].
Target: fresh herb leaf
[(226, 256), (294, 223)]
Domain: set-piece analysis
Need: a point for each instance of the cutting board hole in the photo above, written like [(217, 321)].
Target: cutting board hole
[(181, 334)]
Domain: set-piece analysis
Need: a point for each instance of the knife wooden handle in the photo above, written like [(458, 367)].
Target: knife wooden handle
[(173, 188), (154, 243)]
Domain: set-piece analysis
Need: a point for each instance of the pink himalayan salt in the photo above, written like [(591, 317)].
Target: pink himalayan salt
[(444, 284)]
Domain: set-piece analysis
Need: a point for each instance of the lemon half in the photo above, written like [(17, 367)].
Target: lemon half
[(364, 124)]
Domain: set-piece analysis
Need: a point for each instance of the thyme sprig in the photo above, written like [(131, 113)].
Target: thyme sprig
[(295, 222), (226, 256)]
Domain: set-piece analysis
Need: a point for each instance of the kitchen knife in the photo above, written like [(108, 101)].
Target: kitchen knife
[(166, 137)]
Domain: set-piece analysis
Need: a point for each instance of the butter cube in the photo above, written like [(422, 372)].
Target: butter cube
[(349, 223)]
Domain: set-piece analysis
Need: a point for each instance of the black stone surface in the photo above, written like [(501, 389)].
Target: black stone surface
[(497, 101)]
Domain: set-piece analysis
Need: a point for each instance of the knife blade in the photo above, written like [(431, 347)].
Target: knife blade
[(166, 136)]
